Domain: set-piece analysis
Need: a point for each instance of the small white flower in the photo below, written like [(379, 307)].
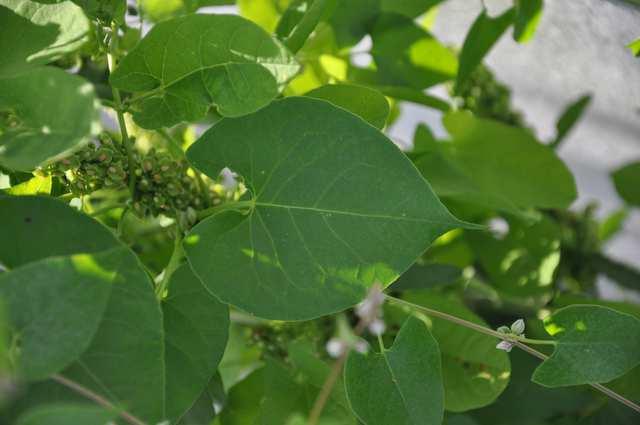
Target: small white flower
[(504, 330), (505, 346), (336, 347), (377, 327), (518, 327), (361, 346)]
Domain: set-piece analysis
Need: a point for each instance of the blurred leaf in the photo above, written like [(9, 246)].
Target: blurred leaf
[(594, 344), (627, 182), (66, 414), (46, 32), (351, 20), (634, 46), (37, 185), (401, 385), (484, 33), (367, 103), (407, 55), (181, 81), (307, 248), (410, 8), (528, 14), (265, 13), (205, 409), (425, 276), (160, 10), (496, 166), (241, 357), (612, 224), (622, 273), (44, 114), (104, 10), (569, 118), (474, 371)]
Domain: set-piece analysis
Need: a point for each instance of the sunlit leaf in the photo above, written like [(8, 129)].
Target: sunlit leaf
[(37, 185), (528, 14), (44, 113), (326, 186), (203, 62), (594, 344), (401, 385), (634, 46)]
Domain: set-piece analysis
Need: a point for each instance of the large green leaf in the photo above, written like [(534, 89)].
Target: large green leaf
[(132, 347), (186, 64), (627, 182), (54, 334), (66, 414), (428, 275), (594, 344), (407, 55), (35, 33), (402, 385), (410, 8), (369, 104), (528, 14), (484, 33), (196, 327), (336, 207), (44, 113), (496, 166), (474, 371)]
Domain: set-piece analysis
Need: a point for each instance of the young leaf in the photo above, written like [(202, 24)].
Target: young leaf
[(368, 104), (402, 385), (484, 33), (594, 344), (528, 14), (336, 207), (52, 335), (224, 60), (46, 113), (570, 117), (66, 414), (474, 372), (46, 32), (407, 55), (196, 327), (496, 166), (627, 182)]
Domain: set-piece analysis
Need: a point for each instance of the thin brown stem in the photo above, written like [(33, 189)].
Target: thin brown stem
[(98, 399)]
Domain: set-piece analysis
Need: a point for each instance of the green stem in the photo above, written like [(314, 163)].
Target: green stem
[(305, 27), (239, 206), (105, 209), (172, 266), (517, 341), (126, 141), (414, 96)]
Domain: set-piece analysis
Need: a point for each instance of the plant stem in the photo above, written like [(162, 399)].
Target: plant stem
[(172, 266), (106, 209), (332, 378), (87, 393), (126, 141), (306, 26), (517, 341), (233, 206)]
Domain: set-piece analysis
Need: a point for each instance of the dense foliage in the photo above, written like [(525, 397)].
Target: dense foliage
[(203, 222)]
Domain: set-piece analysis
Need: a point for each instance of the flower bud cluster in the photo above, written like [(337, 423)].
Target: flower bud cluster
[(516, 329)]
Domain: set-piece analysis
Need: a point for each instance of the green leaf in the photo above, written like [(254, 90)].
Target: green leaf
[(352, 19), (336, 207), (104, 10), (44, 114), (407, 55), (634, 46), (410, 8), (196, 327), (528, 14), (52, 335), (46, 32), (484, 33), (224, 60), (474, 372), (594, 344), (570, 117), (65, 414), (627, 182), (496, 166), (402, 385), (368, 104), (37, 185), (429, 275)]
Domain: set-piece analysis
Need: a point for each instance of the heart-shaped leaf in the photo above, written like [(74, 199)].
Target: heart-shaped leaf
[(44, 113), (595, 344), (336, 207), (402, 385), (187, 64)]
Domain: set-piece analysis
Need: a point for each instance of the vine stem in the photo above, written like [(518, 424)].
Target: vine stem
[(519, 342), (172, 266), (306, 26), (87, 393), (126, 141)]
